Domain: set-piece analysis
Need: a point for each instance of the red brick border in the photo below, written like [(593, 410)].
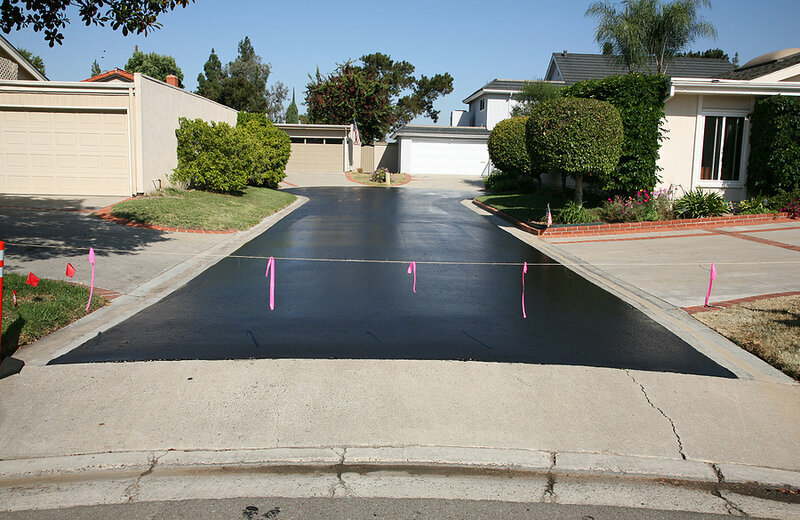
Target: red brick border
[(638, 227), (105, 214), (728, 303), (408, 179)]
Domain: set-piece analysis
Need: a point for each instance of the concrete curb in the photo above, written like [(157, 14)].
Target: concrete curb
[(64, 340), (436, 460)]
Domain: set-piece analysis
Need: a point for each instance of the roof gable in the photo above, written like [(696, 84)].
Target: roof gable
[(10, 53), (580, 67), (497, 86), (112, 75)]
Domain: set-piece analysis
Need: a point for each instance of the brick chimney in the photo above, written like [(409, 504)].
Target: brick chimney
[(172, 79)]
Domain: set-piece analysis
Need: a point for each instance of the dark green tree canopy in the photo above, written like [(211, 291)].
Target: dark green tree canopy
[(534, 92), (155, 65), (507, 146), (292, 115), (242, 83), (96, 68), (380, 94), (35, 60), (710, 53), (50, 16)]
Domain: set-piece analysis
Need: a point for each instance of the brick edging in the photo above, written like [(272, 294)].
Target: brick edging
[(728, 303), (639, 227), (408, 179), (105, 214)]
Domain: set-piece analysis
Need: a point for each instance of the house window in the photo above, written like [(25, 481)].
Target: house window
[(483, 104), (723, 143)]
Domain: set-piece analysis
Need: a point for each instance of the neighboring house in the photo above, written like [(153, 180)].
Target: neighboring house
[(14, 66), (321, 148), (116, 75), (110, 138)]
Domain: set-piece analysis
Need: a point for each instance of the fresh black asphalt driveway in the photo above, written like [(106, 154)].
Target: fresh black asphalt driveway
[(343, 291)]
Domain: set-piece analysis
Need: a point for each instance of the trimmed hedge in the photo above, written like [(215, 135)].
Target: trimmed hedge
[(774, 145), (210, 156), (579, 137), (271, 149), (507, 146), (640, 101)]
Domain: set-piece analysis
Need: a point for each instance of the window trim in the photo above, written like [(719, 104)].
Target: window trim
[(699, 138)]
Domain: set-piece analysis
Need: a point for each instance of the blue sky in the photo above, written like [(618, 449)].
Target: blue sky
[(474, 41)]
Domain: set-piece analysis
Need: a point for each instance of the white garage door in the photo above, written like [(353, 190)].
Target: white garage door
[(64, 153), (318, 155), (448, 156)]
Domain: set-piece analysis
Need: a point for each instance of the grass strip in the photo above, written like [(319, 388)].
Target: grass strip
[(525, 207), (194, 209), (40, 310), (768, 328), (366, 179)]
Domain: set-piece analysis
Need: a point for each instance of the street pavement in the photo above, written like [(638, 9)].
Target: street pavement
[(109, 433)]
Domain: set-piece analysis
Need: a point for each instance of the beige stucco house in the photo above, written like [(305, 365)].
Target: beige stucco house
[(113, 138)]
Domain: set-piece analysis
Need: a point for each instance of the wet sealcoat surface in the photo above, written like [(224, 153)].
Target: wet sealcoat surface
[(467, 305)]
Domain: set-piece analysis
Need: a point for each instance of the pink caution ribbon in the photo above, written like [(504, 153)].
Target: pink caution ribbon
[(271, 275), (91, 289), (524, 271), (711, 282), (413, 269)]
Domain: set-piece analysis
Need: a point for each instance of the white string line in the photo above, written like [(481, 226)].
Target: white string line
[(422, 262)]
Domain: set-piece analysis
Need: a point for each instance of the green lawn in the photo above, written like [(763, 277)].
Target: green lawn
[(525, 206), (41, 310), (193, 209)]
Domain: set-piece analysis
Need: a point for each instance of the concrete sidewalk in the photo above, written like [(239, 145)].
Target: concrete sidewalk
[(114, 433)]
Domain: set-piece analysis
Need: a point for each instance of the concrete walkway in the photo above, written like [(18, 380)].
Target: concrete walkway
[(115, 433)]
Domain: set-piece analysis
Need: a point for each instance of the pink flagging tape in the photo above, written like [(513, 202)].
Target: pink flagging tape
[(413, 269), (711, 282), (91, 288), (524, 271), (271, 275)]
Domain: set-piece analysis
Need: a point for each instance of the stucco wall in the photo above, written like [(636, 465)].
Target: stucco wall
[(499, 108), (478, 115), (386, 156), (676, 155), (158, 107)]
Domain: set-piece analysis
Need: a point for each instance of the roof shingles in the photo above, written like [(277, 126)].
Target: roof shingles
[(580, 67)]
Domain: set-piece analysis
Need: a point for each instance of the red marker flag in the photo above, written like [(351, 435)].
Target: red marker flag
[(70, 270), (14, 297), (32, 280)]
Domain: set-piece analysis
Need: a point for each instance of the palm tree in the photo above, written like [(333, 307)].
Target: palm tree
[(645, 28)]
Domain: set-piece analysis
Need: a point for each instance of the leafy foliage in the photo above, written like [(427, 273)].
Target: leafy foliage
[(710, 53), (155, 65), (379, 175), (211, 157), (242, 83), (292, 115), (574, 213), (640, 101), (751, 207), (96, 69), (775, 145), (644, 207), (371, 94), (645, 28), (534, 92), (507, 146), (782, 199), (501, 182), (50, 16), (269, 149), (36, 61), (578, 137), (699, 204)]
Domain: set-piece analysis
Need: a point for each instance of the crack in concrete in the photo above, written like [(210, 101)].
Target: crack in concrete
[(667, 417), (732, 508), (718, 472), (338, 469), (133, 490), (549, 494)]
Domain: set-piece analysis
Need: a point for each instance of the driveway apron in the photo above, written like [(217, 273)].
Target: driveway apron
[(343, 291)]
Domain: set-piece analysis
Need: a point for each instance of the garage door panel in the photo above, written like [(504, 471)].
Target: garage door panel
[(308, 157), (66, 153), (444, 156)]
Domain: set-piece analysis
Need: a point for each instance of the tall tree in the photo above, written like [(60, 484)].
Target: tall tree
[(647, 28), (292, 115), (242, 83), (96, 68), (380, 94), (50, 16), (534, 92), (35, 60), (155, 65)]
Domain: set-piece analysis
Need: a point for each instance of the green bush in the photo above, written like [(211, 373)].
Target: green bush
[(782, 199), (210, 157), (644, 207), (507, 146), (751, 207), (269, 149), (699, 204), (579, 137), (640, 101), (574, 213), (501, 182), (774, 145)]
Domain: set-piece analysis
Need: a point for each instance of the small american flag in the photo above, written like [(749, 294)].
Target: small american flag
[(358, 136), (549, 216)]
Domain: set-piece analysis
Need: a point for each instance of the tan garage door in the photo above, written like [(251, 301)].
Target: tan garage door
[(316, 157), (64, 153)]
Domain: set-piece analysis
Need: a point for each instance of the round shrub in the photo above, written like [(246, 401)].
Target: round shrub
[(268, 151), (575, 136), (507, 146)]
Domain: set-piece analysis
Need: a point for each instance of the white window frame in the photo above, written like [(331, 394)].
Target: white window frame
[(698, 146)]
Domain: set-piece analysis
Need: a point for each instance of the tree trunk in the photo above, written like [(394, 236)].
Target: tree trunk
[(579, 189)]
